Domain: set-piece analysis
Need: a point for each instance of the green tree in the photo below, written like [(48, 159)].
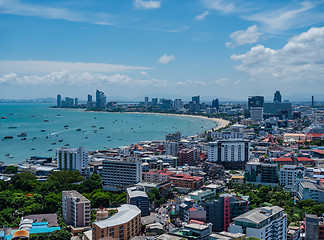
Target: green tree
[(24, 181), (11, 170)]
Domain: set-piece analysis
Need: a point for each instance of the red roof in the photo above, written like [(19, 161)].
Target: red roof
[(319, 151), (302, 159), (315, 134), (283, 159), (192, 209), (196, 221)]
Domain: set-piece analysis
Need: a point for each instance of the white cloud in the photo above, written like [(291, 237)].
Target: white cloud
[(202, 15), (301, 60), (147, 4), (166, 58), (220, 5), (250, 35), (289, 17), (30, 66), (15, 7)]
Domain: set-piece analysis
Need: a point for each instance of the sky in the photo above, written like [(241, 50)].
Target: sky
[(226, 49)]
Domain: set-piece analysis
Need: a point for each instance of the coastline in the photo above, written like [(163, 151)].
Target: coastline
[(220, 122)]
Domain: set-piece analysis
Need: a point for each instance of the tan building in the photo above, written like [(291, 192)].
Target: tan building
[(236, 179), (75, 209), (125, 224), (187, 181)]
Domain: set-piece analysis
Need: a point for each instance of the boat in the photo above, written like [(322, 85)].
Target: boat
[(79, 129), (58, 115), (7, 155), (10, 156), (46, 120), (24, 139), (4, 118), (108, 136), (50, 150), (34, 138), (86, 137), (13, 127), (109, 140), (8, 137), (60, 140), (22, 134), (101, 128), (53, 143), (32, 149), (93, 126), (67, 145), (66, 126)]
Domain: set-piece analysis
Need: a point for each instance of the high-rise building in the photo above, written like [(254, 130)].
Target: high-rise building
[(89, 98), (59, 100), (188, 156), (72, 159), (118, 174), (255, 101), (313, 101), (125, 224), (69, 102), (173, 136), (231, 153), (314, 227), (178, 104), (138, 197), (172, 148), (196, 99), (146, 101), (75, 209), (261, 173), (100, 100), (220, 212), (290, 176), (263, 223), (76, 102), (277, 97), (277, 109), (166, 104), (215, 104), (256, 114), (154, 101)]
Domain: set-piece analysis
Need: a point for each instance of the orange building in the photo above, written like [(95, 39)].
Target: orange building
[(125, 224), (187, 181)]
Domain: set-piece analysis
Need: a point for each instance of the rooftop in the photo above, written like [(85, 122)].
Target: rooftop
[(75, 194), (126, 212), (136, 192)]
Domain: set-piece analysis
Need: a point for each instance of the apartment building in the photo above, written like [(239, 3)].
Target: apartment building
[(266, 223), (188, 156), (158, 176), (75, 209), (187, 181), (261, 173), (118, 174), (231, 153), (125, 224), (309, 190), (72, 159), (138, 197), (290, 176)]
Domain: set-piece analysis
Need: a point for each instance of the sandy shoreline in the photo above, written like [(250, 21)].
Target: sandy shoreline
[(220, 122)]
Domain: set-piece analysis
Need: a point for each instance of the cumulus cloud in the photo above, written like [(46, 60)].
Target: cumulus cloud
[(30, 66), (300, 60), (165, 59), (149, 4), (202, 15), (250, 35)]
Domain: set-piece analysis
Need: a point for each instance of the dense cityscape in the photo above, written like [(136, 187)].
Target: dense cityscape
[(257, 175)]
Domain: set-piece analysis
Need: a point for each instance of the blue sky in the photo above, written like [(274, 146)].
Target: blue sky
[(130, 49)]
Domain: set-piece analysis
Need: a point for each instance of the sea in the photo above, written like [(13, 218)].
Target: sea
[(43, 129)]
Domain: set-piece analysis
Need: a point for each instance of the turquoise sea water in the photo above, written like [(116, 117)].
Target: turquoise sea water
[(46, 125)]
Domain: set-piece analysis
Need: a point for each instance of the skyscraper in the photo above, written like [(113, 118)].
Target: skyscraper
[(58, 100), (146, 101), (277, 97), (100, 100), (76, 102), (154, 101), (255, 101), (312, 100), (215, 104), (89, 98), (196, 99)]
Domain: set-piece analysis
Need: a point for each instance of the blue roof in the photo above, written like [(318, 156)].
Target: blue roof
[(40, 229), (40, 224)]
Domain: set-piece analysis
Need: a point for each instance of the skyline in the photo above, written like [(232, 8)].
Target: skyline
[(224, 49)]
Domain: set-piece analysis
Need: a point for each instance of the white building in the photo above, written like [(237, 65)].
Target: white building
[(118, 174), (227, 135), (232, 153), (266, 223), (72, 159), (256, 114), (178, 104), (290, 176), (172, 148)]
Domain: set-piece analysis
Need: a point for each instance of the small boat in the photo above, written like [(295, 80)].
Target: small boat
[(34, 138), (67, 145), (8, 137), (109, 140), (108, 136), (10, 156), (93, 126), (4, 118), (22, 134), (50, 150), (86, 137), (13, 127), (46, 120), (101, 128), (120, 139), (33, 116), (53, 143), (60, 140), (43, 130), (7, 155), (66, 126), (79, 129), (24, 139), (32, 149), (58, 115)]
